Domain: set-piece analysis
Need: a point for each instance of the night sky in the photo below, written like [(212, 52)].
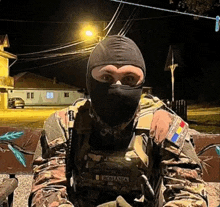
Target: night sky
[(40, 25)]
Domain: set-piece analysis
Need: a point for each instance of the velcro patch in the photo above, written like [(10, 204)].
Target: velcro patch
[(177, 131)]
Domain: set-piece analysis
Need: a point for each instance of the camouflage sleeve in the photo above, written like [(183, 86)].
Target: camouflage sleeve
[(181, 169), (49, 182)]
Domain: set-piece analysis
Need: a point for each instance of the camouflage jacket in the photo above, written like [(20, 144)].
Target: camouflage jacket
[(173, 162)]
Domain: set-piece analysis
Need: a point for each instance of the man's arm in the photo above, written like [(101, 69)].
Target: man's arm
[(49, 183), (181, 168)]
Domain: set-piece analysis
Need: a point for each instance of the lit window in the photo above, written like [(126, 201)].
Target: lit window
[(66, 95), (49, 95)]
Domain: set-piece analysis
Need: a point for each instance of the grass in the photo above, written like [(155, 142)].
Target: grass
[(28, 117), (204, 119)]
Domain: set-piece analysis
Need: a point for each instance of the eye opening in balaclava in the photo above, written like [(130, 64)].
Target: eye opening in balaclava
[(114, 104)]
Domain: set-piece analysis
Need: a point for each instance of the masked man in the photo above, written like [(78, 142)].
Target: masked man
[(117, 148)]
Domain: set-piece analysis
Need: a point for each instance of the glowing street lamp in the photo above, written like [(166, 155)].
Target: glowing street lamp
[(89, 33)]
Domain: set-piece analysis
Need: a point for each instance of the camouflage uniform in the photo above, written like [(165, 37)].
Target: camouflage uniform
[(173, 161)]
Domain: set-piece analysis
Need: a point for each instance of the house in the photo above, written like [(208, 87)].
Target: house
[(6, 82), (37, 90)]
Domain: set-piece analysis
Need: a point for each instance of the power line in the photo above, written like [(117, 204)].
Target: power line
[(57, 62), (128, 23), (46, 45), (53, 49), (120, 20), (161, 9), (47, 22), (58, 55), (115, 17), (116, 12), (66, 45)]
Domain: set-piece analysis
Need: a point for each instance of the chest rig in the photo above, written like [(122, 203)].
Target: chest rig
[(100, 176)]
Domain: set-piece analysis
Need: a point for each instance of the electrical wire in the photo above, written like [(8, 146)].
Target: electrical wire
[(46, 45), (58, 55), (53, 49), (120, 20), (161, 9), (64, 54), (33, 68), (49, 64), (116, 18), (29, 21), (116, 12), (128, 23), (124, 33), (111, 24)]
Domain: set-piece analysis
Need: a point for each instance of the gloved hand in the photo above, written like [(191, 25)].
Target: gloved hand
[(120, 202), (160, 125)]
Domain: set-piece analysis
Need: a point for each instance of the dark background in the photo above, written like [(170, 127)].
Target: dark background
[(39, 25)]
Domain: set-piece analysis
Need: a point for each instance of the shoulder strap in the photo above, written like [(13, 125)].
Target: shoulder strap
[(79, 129), (148, 105), (57, 124)]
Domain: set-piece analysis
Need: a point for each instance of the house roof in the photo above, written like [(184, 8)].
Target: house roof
[(29, 80), (4, 40)]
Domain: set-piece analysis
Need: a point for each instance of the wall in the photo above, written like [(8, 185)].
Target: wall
[(3, 66), (45, 97), (3, 99)]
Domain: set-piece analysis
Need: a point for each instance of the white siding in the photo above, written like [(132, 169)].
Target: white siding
[(40, 96)]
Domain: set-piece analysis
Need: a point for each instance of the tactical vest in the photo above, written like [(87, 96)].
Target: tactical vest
[(96, 177)]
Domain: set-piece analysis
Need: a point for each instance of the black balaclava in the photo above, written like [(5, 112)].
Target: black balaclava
[(114, 104)]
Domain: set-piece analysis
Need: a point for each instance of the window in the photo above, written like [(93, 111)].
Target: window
[(66, 94), (49, 95), (30, 95)]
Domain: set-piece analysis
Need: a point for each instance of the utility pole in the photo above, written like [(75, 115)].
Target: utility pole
[(172, 68)]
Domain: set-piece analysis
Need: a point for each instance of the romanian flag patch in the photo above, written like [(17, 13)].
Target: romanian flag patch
[(177, 131)]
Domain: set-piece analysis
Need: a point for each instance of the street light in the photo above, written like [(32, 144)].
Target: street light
[(89, 32)]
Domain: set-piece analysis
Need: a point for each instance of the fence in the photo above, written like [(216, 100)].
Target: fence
[(179, 107)]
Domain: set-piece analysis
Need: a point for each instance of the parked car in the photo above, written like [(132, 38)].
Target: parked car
[(16, 102)]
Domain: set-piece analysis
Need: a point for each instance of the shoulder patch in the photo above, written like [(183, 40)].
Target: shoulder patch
[(178, 131)]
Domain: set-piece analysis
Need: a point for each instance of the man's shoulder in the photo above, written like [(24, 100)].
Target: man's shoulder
[(56, 125), (149, 102), (148, 105), (63, 115)]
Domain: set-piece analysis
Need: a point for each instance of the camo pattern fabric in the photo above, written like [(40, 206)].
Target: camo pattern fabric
[(180, 169), (182, 177), (49, 182)]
